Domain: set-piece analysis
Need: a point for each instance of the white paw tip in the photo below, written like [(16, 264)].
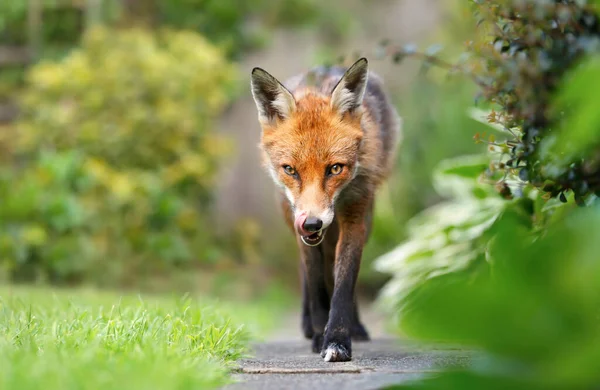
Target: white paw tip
[(336, 353)]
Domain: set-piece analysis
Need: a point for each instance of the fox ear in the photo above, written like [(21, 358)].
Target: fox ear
[(272, 99), (348, 94)]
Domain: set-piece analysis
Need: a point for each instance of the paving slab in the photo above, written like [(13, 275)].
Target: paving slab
[(285, 360), (366, 381), (376, 364)]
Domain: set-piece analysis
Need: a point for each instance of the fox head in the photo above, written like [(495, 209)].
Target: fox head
[(311, 143)]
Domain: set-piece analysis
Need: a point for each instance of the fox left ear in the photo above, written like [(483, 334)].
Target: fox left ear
[(348, 94), (272, 99)]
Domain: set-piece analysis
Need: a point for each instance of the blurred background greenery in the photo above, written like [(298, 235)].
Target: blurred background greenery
[(128, 160), (127, 137)]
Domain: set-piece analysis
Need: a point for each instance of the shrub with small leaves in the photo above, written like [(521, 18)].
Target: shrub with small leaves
[(115, 160), (512, 272), (532, 47), (526, 57)]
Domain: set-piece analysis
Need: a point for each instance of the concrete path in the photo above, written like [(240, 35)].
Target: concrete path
[(285, 361)]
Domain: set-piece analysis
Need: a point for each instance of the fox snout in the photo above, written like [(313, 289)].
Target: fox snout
[(311, 228), (306, 225)]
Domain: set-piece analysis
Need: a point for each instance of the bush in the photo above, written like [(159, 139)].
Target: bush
[(435, 127), (532, 307), (428, 111), (62, 23), (240, 25), (226, 21), (116, 160), (508, 263), (448, 237), (519, 60), (527, 72), (521, 68), (236, 26)]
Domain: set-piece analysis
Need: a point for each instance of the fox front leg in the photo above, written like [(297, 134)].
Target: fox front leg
[(317, 297), (306, 321), (337, 344)]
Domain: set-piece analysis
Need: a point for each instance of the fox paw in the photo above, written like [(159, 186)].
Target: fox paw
[(336, 353)]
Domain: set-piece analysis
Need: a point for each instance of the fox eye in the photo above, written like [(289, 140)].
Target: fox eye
[(289, 170), (336, 169)]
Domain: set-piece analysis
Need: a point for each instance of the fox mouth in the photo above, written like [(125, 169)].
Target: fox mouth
[(313, 239), (310, 236)]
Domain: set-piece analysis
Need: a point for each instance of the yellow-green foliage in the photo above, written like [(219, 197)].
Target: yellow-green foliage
[(131, 98), (118, 159)]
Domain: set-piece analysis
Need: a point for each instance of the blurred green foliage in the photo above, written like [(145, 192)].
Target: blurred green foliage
[(520, 60), (508, 265), (532, 306), (60, 31), (235, 25), (435, 127), (128, 121), (428, 111), (114, 160), (240, 25), (62, 22), (447, 237)]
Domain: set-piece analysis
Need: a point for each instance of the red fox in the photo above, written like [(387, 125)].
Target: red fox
[(328, 140)]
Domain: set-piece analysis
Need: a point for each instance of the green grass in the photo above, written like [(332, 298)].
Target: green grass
[(83, 339)]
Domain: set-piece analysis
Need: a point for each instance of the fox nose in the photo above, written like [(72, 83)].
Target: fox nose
[(312, 224)]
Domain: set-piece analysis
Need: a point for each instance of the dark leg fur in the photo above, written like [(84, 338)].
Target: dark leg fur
[(318, 298), (354, 222), (307, 328), (329, 309), (337, 344), (319, 277), (358, 331)]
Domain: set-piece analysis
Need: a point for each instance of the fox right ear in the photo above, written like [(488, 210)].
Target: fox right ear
[(272, 99), (347, 95)]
